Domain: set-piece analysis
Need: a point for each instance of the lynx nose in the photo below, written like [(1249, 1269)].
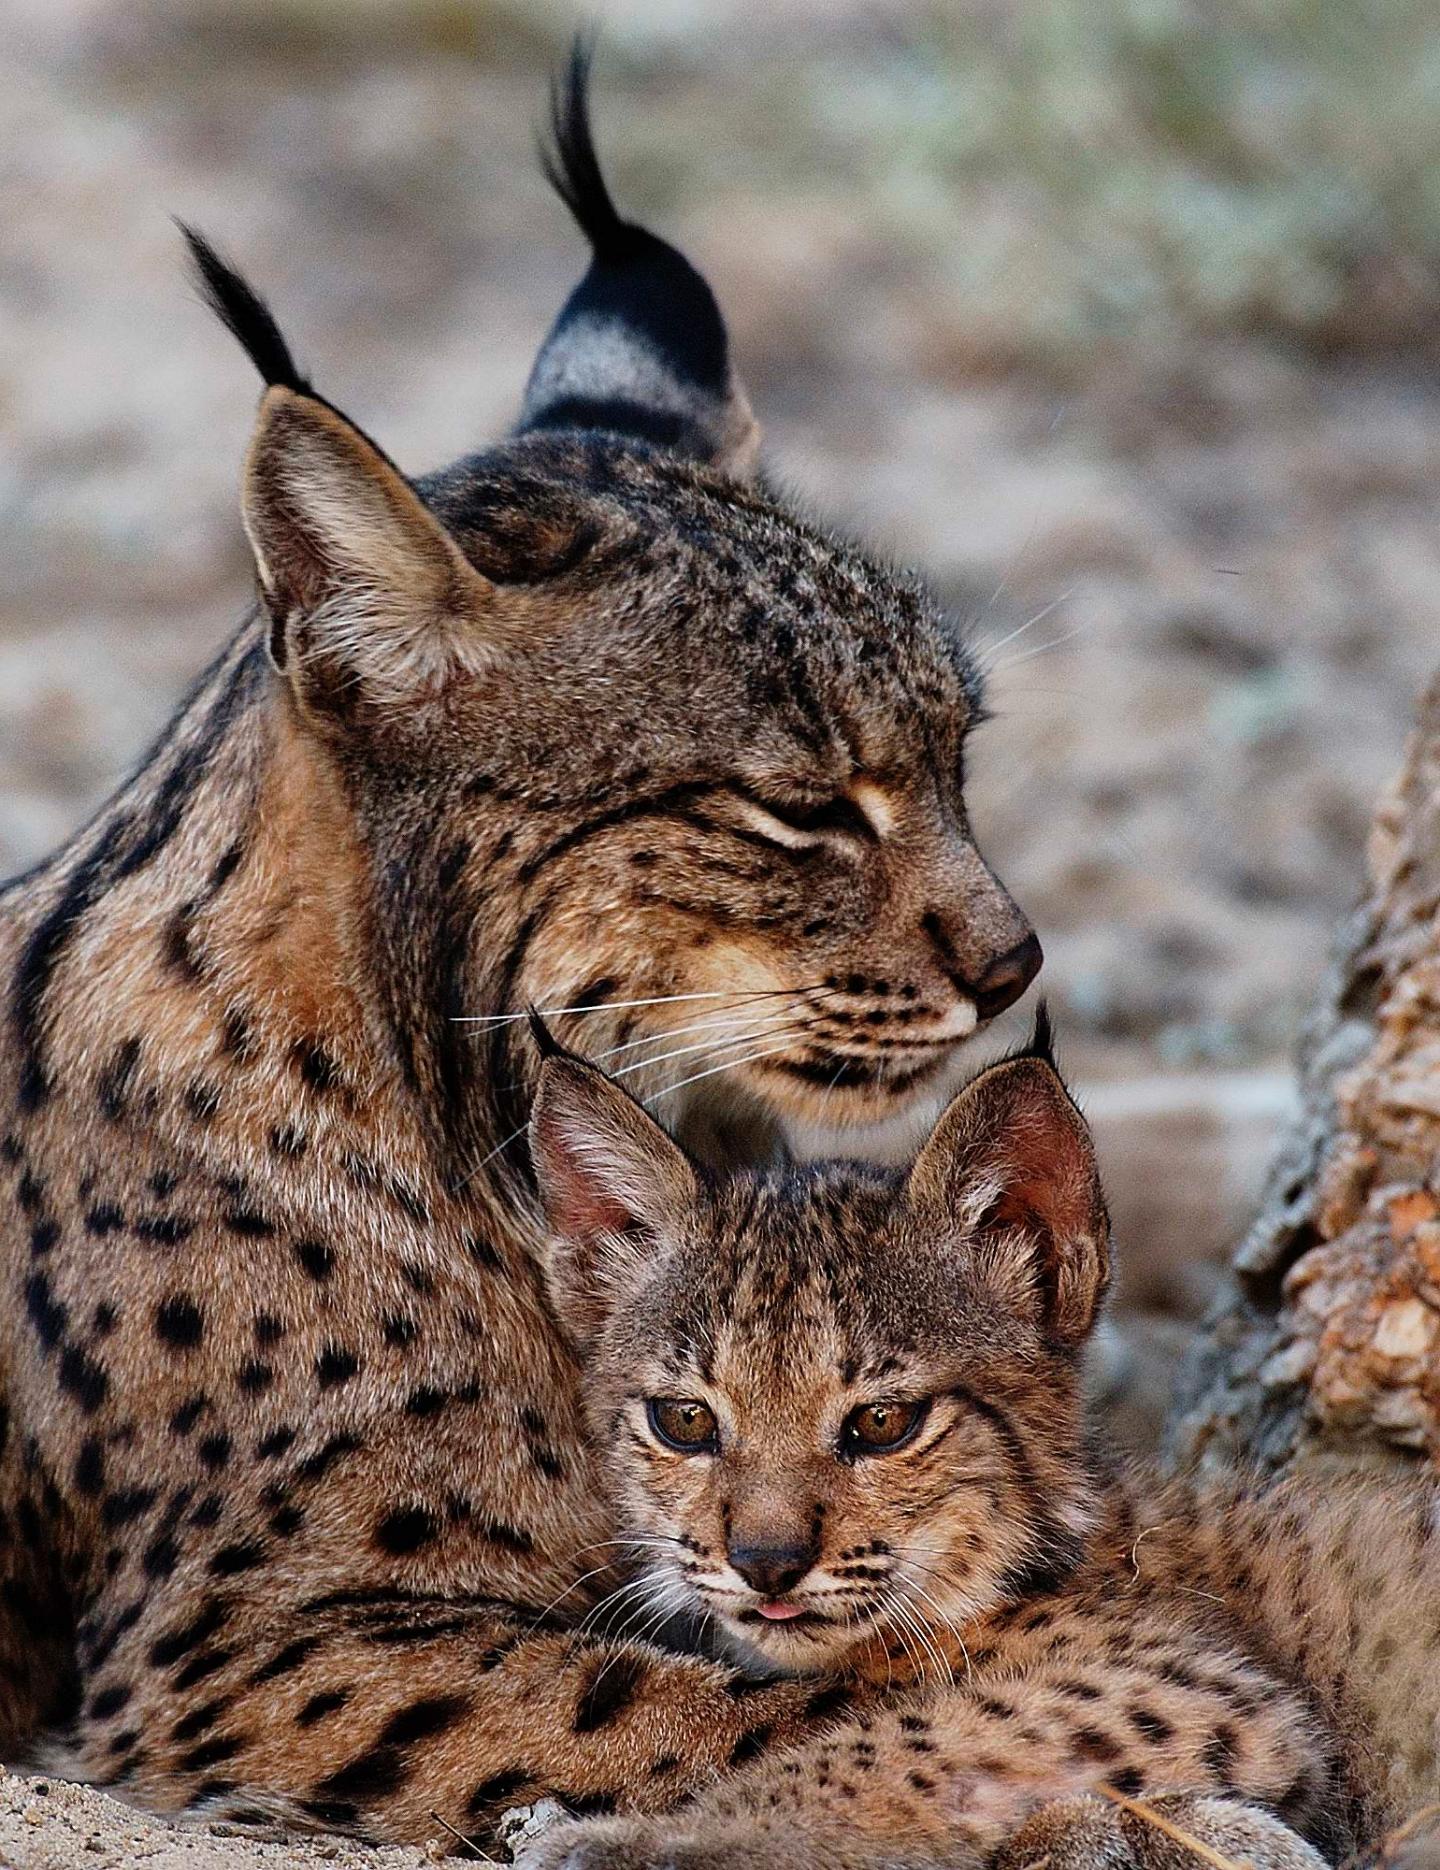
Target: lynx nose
[(771, 1569), (1006, 978)]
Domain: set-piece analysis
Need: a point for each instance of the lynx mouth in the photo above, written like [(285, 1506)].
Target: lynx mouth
[(844, 1071)]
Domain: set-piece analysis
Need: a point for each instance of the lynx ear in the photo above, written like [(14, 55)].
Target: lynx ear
[(366, 589), (368, 594), (639, 348), (1010, 1165), (611, 1181)]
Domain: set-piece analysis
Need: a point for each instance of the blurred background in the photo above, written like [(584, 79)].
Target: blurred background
[(1119, 317)]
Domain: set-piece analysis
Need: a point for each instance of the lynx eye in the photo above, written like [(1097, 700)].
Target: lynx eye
[(881, 1427), (811, 819), (689, 1427)]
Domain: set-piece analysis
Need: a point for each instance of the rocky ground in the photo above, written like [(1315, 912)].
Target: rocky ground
[(1202, 555)]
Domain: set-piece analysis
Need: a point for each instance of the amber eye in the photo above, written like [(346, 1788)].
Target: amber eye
[(688, 1426), (881, 1427)]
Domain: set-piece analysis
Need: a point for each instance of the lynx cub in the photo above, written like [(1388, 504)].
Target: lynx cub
[(842, 1415)]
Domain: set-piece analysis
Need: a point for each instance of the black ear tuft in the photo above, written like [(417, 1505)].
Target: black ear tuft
[(571, 166), (244, 314), (1042, 1038), (546, 1044)]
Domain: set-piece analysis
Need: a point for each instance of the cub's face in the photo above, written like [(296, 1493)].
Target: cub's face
[(837, 1404)]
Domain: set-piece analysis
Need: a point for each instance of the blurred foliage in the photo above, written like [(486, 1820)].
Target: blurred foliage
[(1120, 170)]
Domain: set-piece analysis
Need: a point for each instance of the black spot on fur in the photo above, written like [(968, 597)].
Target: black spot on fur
[(232, 1559), (201, 1667), (318, 1706), (50, 1316), (212, 1752), (1091, 1744), (179, 1322), (377, 1774), (163, 1230), (827, 1701), (496, 1794), (315, 1065), (314, 1465), (202, 1099), (316, 1259), (199, 1720), (253, 1377), (90, 1467), (160, 1557), (104, 1218), (406, 1529), (1151, 1726), (751, 1744), (119, 1509), (188, 1414), (335, 1365), (214, 1452), (611, 1687), (285, 1661), (423, 1719), (109, 1701), (207, 1622), (83, 1378), (117, 1080), (248, 1224)]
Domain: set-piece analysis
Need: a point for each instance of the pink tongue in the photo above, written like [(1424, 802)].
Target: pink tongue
[(780, 1613)]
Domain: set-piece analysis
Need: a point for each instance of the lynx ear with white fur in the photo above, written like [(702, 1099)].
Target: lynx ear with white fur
[(612, 1183), (365, 587), (1010, 1167), (369, 596)]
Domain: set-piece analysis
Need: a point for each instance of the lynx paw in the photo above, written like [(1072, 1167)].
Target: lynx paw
[(1090, 1833)]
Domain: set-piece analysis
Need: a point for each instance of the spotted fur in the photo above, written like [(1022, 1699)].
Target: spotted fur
[(296, 1514), (1259, 1658)]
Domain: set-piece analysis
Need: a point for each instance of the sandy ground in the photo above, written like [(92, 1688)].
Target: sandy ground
[(1208, 577), (46, 1824)]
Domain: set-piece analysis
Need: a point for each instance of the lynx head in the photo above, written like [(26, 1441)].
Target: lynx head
[(620, 735), (840, 1399)]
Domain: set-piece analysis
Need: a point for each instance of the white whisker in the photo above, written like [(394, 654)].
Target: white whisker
[(704, 1045), (1041, 649), (731, 1065), (612, 1006), (669, 1032)]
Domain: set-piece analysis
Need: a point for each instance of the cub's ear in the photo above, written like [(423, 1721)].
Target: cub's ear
[(611, 1182), (1011, 1166), (369, 597)]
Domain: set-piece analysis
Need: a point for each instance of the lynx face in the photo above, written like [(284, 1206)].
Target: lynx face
[(840, 1401)]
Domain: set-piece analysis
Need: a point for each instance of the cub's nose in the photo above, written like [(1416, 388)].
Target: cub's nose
[(1006, 978), (772, 1570)]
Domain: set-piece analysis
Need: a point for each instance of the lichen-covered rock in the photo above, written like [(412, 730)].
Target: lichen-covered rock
[(1327, 1347)]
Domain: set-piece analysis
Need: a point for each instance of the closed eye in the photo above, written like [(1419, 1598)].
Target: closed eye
[(801, 822)]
